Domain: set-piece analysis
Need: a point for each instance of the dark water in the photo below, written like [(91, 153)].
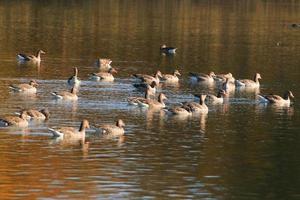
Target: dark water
[(240, 150)]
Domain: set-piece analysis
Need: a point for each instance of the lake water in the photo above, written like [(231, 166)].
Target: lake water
[(239, 150)]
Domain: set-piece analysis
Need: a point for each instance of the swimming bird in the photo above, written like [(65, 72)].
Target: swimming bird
[(106, 76), (148, 78), (171, 77), (72, 95), (223, 77), (25, 87), (249, 83), (154, 104), (228, 86), (43, 114), (200, 107), (215, 99), (113, 130), (179, 110), (30, 58), (209, 78), (276, 99), (19, 121), (145, 86), (134, 100), (70, 133), (73, 80), (167, 50)]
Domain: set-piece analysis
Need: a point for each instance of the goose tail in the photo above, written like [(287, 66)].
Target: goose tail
[(55, 133)]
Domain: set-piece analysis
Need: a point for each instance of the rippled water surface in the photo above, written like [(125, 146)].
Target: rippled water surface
[(239, 150)]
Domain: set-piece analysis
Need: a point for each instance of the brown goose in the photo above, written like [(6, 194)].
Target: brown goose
[(215, 99), (203, 77), (37, 115), (113, 130), (171, 77), (106, 76), (249, 83), (276, 99), (200, 107), (24, 87), (20, 121), (148, 78), (179, 110), (156, 104), (26, 58), (72, 95), (70, 133), (135, 100)]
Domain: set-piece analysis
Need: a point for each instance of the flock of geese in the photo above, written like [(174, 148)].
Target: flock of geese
[(144, 82)]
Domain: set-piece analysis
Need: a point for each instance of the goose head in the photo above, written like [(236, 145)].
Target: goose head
[(177, 73), (162, 97), (288, 95), (112, 70), (33, 83), (120, 123), (46, 112)]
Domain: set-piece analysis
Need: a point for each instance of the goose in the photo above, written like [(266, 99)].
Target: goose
[(25, 87), (113, 130), (171, 77), (167, 50), (26, 58), (19, 121), (70, 133), (249, 83), (276, 99), (179, 110), (203, 77), (200, 107), (215, 99), (148, 78), (223, 77), (73, 80), (228, 85), (106, 76), (72, 95), (154, 104), (145, 86), (37, 115), (134, 100)]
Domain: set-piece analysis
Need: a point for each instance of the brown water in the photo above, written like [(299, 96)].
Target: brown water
[(240, 150)]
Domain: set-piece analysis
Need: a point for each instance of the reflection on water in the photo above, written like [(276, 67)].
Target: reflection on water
[(240, 149)]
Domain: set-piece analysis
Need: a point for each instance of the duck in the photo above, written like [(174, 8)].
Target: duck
[(249, 83), (72, 95), (171, 77), (106, 76), (195, 107), (73, 80), (134, 100), (179, 110), (215, 99), (167, 50), (70, 133), (113, 130), (18, 121), (276, 99), (30, 58), (148, 78), (145, 86), (25, 87), (104, 64), (203, 77), (154, 104), (43, 114)]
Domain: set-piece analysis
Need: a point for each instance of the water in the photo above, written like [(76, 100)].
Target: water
[(240, 150)]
